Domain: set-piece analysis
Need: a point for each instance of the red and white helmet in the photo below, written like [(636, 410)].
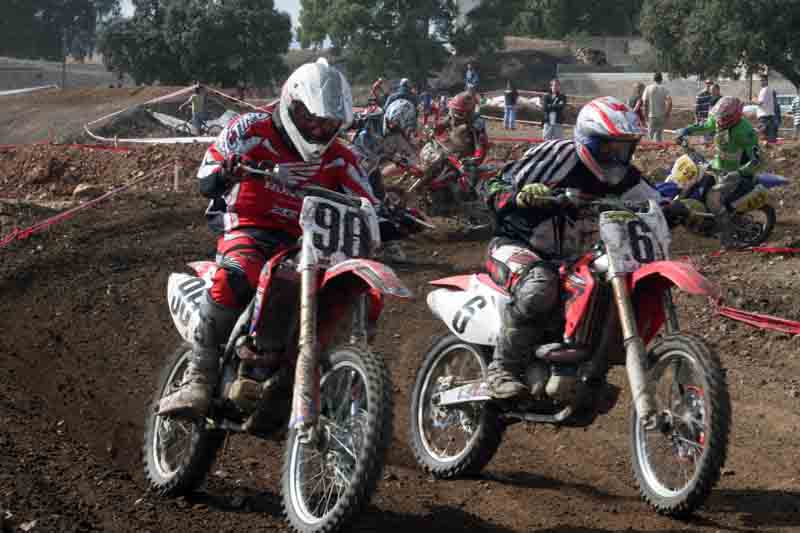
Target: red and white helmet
[(462, 107), (316, 104), (606, 134), (727, 112)]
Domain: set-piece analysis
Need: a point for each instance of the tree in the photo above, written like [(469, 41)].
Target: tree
[(724, 36), (178, 41), (50, 28), (384, 37), (557, 19)]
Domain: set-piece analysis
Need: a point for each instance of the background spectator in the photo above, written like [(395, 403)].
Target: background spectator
[(198, 103), (553, 105), (796, 114), (378, 92), (510, 116), (426, 102), (635, 101), (766, 110), (702, 103), (471, 79), (658, 107), (716, 94)]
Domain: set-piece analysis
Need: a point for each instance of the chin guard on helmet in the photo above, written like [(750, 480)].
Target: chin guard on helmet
[(606, 134), (316, 104)]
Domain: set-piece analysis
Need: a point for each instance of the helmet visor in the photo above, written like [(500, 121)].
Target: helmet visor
[(608, 151), (311, 127)]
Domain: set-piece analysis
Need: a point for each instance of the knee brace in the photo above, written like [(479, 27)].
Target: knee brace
[(535, 293)]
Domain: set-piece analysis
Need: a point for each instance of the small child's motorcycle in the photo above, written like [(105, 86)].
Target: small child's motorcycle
[(700, 190)]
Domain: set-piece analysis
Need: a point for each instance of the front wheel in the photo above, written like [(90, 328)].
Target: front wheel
[(328, 482), (677, 464), (177, 453), (449, 442)]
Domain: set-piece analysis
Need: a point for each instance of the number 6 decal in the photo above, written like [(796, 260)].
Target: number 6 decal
[(641, 243), (465, 314)]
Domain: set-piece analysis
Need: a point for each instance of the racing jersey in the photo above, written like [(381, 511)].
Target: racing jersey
[(556, 164), (263, 205), (736, 149)]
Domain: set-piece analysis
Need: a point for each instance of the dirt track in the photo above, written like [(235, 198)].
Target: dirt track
[(87, 327)]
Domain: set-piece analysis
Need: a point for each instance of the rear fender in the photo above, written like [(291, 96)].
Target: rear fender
[(204, 269), (772, 180), (649, 283)]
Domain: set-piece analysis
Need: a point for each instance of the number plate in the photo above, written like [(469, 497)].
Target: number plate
[(337, 232), (632, 240)]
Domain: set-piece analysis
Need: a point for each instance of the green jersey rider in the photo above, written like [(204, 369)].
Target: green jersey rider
[(737, 153)]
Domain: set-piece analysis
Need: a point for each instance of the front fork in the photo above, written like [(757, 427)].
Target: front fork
[(305, 397), (635, 354)]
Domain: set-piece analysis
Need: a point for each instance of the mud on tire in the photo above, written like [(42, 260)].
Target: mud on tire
[(375, 441), (683, 503), (200, 448), (485, 440)]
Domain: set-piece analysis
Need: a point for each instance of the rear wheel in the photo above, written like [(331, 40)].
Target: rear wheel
[(327, 483), (449, 442), (677, 464), (752, 228), (177, 452)]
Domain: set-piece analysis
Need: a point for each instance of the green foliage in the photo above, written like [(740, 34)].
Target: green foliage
[(557, 19), (724, 36), (384, 37), (178, 41), (47, 29)]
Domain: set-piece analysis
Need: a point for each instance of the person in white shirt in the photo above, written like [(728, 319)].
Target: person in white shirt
[(766, 111), (658, 107)]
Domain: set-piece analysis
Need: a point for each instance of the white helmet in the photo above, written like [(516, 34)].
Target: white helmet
[(400, 116), (606, 134), (316, 104)]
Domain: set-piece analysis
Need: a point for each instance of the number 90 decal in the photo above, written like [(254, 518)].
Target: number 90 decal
[(338, 229)]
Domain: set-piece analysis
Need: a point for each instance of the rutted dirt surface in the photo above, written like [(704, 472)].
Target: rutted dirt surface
[(87, 328)]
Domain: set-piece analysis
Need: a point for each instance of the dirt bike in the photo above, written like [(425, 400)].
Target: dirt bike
[(284, 363), (692, 180), (451, 193), (615, 299)]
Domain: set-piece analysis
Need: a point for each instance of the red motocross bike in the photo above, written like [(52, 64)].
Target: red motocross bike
[(615, 300), (287, 363), (450, 193)]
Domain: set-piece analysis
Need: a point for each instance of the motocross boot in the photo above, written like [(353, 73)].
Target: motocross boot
[(193, 398), (524, 324)]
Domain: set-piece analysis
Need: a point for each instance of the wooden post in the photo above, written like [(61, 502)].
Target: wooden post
[(176, 178)]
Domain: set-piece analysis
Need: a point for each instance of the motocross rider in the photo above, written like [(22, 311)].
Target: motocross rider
[(403, 92), (523, 255), (252, 218), (737, 153), (462, 133), (392, 141)]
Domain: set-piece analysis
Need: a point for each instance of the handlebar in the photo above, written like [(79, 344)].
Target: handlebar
[(280, 175)]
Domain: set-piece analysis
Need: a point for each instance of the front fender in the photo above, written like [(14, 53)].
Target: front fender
[(664, 274), (649, 283), (376, 275)]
